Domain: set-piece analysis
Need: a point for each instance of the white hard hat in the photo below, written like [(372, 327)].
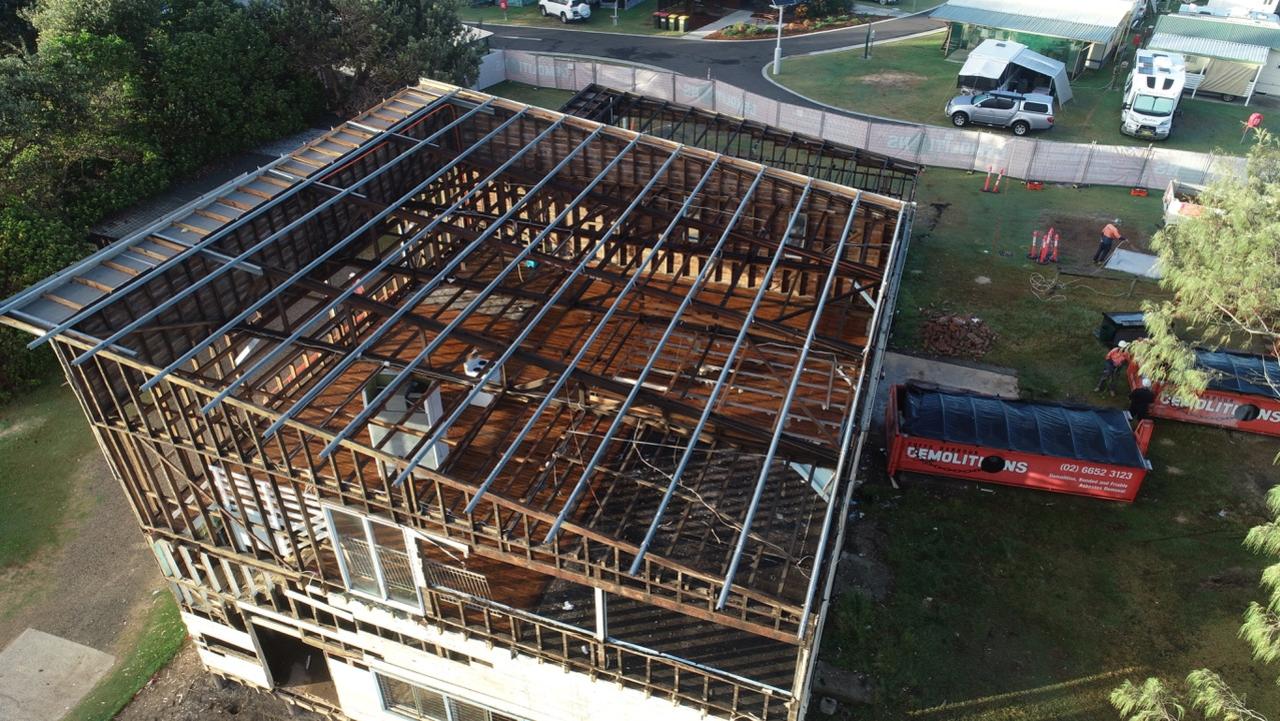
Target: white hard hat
[(1123, 344), (1116, 221)]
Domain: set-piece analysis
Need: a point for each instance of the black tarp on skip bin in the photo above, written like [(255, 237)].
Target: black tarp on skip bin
[(1088, 434), (1246, 373)]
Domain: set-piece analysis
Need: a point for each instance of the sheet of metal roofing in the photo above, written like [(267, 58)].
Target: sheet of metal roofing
[(1094, 22), (1232, 30), (1206, 47), (65, 294)]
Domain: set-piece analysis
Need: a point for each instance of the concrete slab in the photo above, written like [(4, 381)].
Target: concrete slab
[(962, 375), (43, 676)]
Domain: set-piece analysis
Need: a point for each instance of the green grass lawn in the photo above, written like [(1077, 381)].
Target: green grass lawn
[(1013, 605), (911, 80), (636, 21), (158, 641), (963, 235), (529, 95), (43, 438)]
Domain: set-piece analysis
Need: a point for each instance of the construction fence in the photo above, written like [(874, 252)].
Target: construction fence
[(1026, 158)]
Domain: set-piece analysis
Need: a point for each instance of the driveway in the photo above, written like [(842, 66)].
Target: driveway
[(737, 62)]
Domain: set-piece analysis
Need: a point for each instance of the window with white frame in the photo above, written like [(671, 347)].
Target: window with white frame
[(415, 702), (374, 559)]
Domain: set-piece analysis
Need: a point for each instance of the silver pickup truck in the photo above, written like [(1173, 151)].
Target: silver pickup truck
[(1022, 113)]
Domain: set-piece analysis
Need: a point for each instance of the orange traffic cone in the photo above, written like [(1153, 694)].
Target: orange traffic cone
[(1055, 247), (1035, 241)]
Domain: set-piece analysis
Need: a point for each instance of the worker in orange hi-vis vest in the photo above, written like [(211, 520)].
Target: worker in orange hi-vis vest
[(1117, 358), (1110, 236)]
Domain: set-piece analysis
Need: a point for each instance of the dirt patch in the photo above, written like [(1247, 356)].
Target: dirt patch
[(1234, 577), (95, 588), (893, 79), (862, 565), (1078, 235), (184, 691), (18, 427)]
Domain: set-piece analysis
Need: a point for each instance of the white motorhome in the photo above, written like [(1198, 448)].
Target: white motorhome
[(1151, 94)]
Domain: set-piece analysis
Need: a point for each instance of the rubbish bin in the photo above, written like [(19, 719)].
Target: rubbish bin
[(1118, 326), (666, 20), (657, 19), (682, 20)]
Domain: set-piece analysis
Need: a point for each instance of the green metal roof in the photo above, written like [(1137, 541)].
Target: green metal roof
[(1091, 21), (1243, 32)]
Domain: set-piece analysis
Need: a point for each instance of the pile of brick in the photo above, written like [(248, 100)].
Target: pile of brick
[(957, 336)]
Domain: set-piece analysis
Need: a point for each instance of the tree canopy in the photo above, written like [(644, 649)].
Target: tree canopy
[(1223, 268), (105, 102)]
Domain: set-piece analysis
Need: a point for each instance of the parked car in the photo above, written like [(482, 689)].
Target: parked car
[(1022, 113), (566, 10)]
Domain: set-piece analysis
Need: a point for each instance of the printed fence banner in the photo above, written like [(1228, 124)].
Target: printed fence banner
[(1028, 158), (990, 153), (617, 77), (846, 130), (1117, 165), (896, 141), (801, 120), (1018, 156), (1058, 162), (695, 92), (730, 99), (655, 84), (584, 75), (522, 68), (547, 72), (947, 147)]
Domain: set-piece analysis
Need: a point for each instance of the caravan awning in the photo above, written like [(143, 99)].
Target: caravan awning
[(991, 57), (1210, 48)]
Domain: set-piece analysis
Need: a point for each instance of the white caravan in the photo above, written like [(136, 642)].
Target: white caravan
[(1151, 94)]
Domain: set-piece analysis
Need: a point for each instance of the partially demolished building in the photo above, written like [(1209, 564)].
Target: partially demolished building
[(473, 410)]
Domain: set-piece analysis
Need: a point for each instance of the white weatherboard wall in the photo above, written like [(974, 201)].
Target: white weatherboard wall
[(241, 668), (517, 686)]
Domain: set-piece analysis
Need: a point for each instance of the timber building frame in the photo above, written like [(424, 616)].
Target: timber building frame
[(592, 358), (747, 139)]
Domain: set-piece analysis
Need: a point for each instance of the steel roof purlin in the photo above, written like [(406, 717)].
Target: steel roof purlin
[(548, 328)]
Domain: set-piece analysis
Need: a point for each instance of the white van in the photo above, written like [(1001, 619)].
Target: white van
[(1151, 94)]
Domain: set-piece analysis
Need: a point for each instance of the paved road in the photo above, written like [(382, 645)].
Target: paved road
[(735, 62)]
